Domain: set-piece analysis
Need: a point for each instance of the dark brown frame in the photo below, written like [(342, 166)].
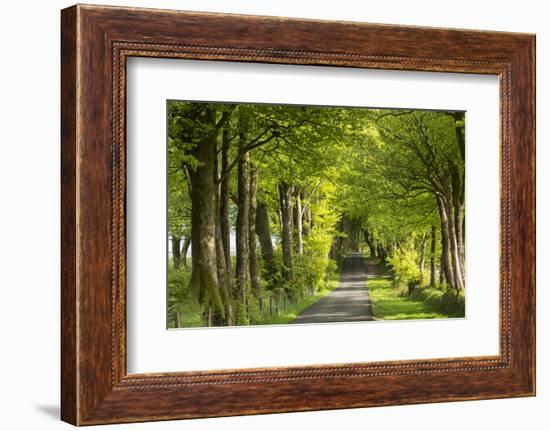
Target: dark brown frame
[(95, 43)]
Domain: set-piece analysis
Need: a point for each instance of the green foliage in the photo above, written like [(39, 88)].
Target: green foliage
[(312, 268), (180, 306), (241, 314), (253, 308), (404, 264), (310, 273)]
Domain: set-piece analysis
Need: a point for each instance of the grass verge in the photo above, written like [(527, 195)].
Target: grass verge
[(447, 301), (388, 305)]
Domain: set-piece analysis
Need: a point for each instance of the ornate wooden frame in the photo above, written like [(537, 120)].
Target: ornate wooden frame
[(95, 43)]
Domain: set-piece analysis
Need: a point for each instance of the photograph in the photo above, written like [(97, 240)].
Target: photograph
[(296, 214)]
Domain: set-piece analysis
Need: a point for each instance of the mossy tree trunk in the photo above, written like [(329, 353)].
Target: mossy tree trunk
[(297, 223), (176, 254), (204, 278), (221, 262), (185, 249), (285, 201), (243, 204), (252, 256), (264, 236), (224, 203), (433, 246)]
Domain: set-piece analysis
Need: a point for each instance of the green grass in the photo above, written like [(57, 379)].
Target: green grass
[(387, 305), (293, 310)]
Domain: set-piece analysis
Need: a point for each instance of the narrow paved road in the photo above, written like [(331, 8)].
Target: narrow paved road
[(349, 302)]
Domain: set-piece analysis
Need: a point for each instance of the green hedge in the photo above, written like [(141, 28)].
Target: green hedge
[(446, 300)]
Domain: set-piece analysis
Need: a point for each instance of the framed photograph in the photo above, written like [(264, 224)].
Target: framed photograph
[(265, 215)]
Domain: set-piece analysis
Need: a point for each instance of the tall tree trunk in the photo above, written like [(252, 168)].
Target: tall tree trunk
[(458, 218), (453, 245), (297, 222), (442, 276), (185, 249), (432, 256), (242, 216), (176, 254), (422, 265), (253, 257), (204, 280), (458, 191), (459, 132), (264, 235), (221, 269), (445, 245), (285, 197), (459, 226), (224, 204), (306, 223), (223, 282)]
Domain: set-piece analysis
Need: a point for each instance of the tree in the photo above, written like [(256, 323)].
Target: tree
[(193, 130), (252, 256), (263, 231)]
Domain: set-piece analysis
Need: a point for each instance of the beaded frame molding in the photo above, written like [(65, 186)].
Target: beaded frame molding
[(95, 43)]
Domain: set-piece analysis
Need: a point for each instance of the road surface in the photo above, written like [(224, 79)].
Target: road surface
[(349, 302)]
